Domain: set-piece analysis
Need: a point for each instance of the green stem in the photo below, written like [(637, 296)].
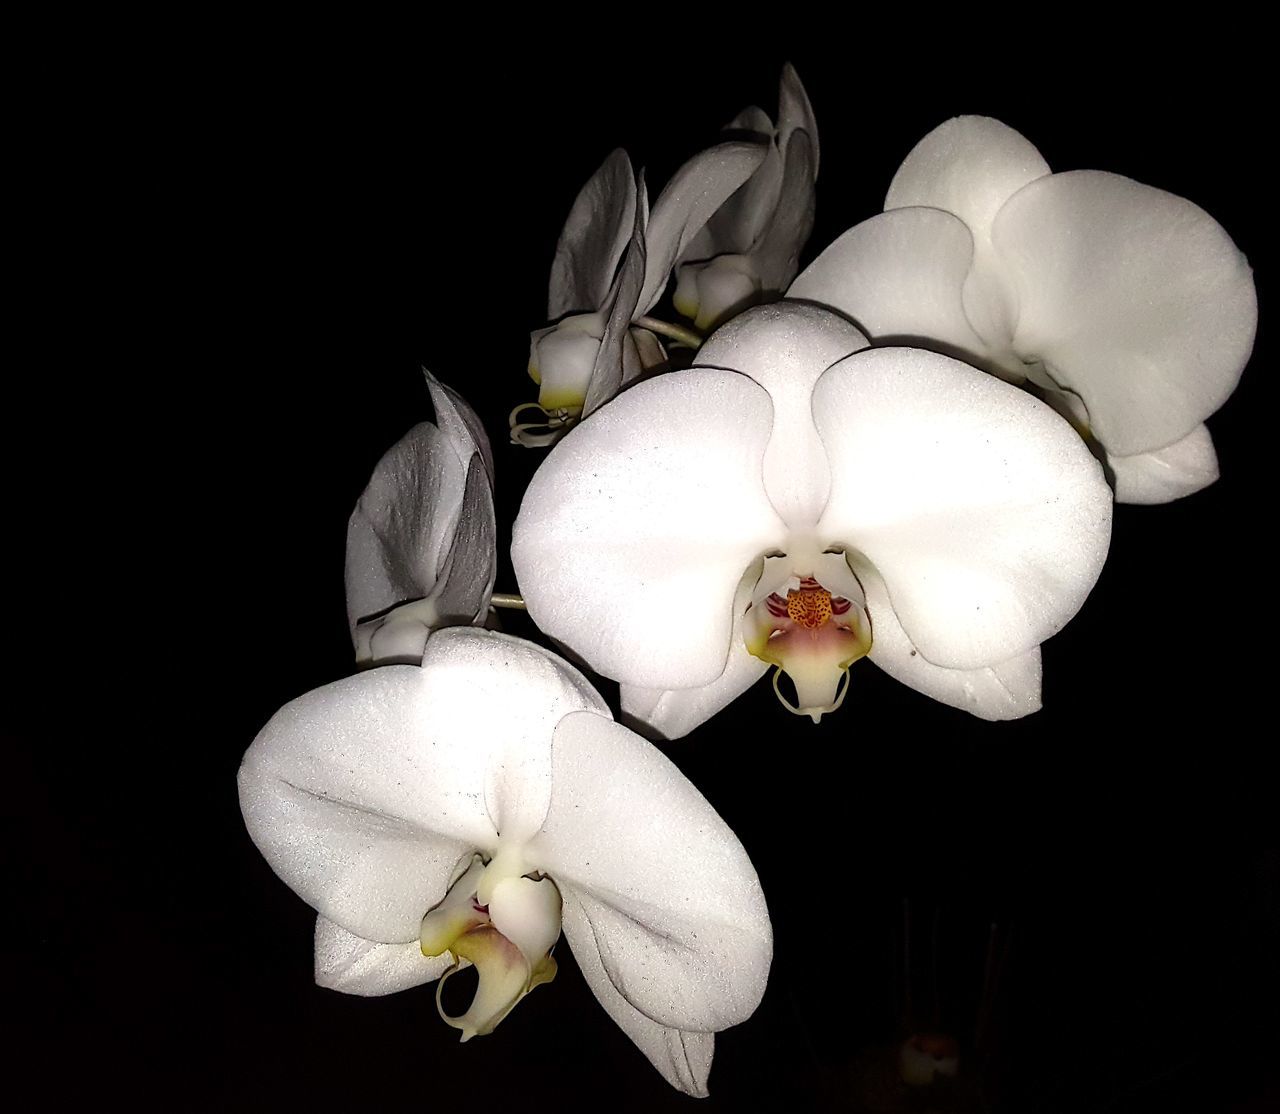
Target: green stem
[(687, 337), (508, 599)]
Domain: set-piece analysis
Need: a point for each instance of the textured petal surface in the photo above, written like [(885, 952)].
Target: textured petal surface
[(635, 531), (683, 1058), (743, 218), (365, 794), (901, 277), (1008, 690), (398, 534), (459, 423), (795, 112), (610, 370), (694, 193), (354, 965), (1179, 469), (466, 580), (1135, 299), (593, 239), (785, 347), (671, 898), (969, 166), (778, 249), (673, 713), (982, 509)]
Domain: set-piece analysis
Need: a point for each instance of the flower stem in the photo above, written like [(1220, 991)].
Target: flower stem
[(508, 599), (687, 337)]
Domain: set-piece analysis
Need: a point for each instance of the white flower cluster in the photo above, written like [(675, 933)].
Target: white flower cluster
[(909, 451)]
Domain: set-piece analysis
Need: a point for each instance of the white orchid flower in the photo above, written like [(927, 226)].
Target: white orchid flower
[(422, 540), (801, 503), (480, 804), (750, 249), (611, 266), (1130, 308)]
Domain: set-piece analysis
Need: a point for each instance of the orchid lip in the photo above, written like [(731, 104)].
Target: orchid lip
[(503, 922), (811, 634)]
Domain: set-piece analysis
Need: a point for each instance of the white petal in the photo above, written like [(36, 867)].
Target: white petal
[(1008, 690), (364, 794), (672, 899), (785, 347), (1135, 299), (969, 166), (683, 1058), (398, 534), (635, 531), (901, 277), (354, 965), (673, 713), (593, 239), (983, 511), (459, 423), (1179, 469), (695, 191)]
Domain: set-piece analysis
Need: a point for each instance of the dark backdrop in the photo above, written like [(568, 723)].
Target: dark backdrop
[(1102, 866)]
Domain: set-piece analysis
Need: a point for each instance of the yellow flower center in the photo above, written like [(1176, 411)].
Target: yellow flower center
[(809, 607)]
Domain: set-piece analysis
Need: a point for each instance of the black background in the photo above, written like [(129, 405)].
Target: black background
[(358, 212)]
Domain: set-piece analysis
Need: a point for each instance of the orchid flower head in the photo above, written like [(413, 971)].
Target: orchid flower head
[(807, 500), (1127, 308), (468, 811), (611, 266), (750, 248), (422, 540)]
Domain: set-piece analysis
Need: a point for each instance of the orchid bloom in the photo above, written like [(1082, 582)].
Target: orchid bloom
[(750, 249), (611, 266), (802, 503), (1128, 308), (465, 812), (421, 543)]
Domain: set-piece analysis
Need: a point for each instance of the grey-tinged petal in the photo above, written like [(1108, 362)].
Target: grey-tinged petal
[(901, 277), (354, 965), (744, 217), (982, 509), (969, 166), (635, 531), (785, 347), (777, 251), (1136, 300), (365, 794), (612, 368), (687, 202), (1185, 467), (462, 590), (795, 113), (1007, 690), (466, 581), (672, 899), (683, 1058), (397, 538), (753, 119), (460, 423), (593, 239)]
